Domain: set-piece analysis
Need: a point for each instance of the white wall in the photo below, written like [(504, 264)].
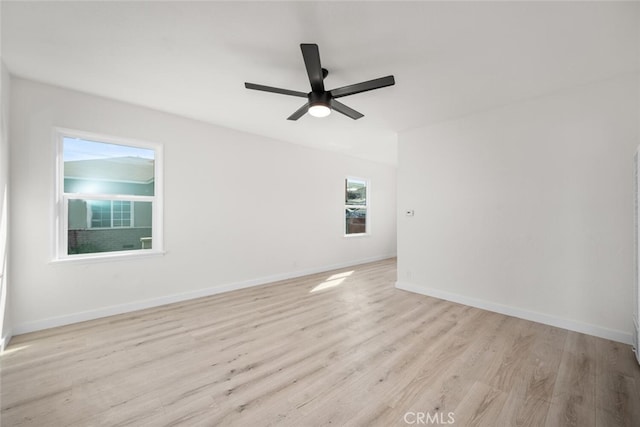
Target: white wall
[(5, 294), (527, 209), (239, 210)]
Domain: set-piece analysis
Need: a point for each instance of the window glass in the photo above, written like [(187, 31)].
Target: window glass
[(356, 206), (97, 226), (356, 192), (92, 167)]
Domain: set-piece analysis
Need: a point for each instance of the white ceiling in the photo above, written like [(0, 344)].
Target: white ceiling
[(449, 59)]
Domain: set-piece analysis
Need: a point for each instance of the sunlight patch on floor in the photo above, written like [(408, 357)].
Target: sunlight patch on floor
[(332, 281)]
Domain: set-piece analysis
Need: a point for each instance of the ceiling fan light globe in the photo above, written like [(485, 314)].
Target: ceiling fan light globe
[(319, 110)]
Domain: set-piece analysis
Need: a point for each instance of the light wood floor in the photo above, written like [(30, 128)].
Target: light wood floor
[(355, 351)]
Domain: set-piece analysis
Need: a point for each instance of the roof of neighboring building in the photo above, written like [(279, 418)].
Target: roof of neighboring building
[(120, 169)]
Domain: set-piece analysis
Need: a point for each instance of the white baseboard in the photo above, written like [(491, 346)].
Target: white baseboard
[(4, 341), (636, 339), (53, 322), (572, 325)]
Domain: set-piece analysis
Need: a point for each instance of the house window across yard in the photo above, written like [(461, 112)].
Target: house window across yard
[(110, 214), (108, 196), (356, 206)]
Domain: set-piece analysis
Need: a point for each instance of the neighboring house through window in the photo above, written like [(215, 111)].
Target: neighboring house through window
[(356, 206), (108, 194)]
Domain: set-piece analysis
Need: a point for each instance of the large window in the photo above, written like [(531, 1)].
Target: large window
[(356, 206), (108, 196)]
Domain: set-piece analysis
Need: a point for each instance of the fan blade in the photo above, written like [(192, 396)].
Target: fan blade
[(311, 57), (275, 90), (299, 112), (347, 111), (363, 87)]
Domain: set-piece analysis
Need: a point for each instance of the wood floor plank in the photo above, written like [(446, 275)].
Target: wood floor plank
[(337, 348), (522, 412), (617, 397), (482, 405), (573, 401)]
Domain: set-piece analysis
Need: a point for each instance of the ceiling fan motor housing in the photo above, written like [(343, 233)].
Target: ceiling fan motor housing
[(319, 98)]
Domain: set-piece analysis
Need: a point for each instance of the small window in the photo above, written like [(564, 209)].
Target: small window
[(108, 196), (356, 206)]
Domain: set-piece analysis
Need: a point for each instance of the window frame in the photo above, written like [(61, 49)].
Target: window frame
[(366, 206), (61, 199)]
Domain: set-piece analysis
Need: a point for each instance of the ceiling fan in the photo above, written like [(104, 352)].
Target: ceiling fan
[(320, 101)]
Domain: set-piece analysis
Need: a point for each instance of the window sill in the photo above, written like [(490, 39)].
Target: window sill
[(357, 235), (112, 256)]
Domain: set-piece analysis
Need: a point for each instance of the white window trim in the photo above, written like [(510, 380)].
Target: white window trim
[(59, 243), (367, 207)]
